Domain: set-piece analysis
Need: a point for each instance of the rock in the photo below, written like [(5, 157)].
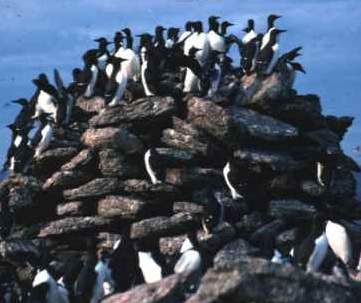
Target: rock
[(113, 138), (146, 189), (339, 125), (210, 243), (277, 161), (326, 139), (291, 210), (185, 136), (215, 121), (173, 157), (93, 105), (93, 189), (162, 226), (249, 223), (20, 197), (18, 250), (301, 111), (344, 185), (218, 238), (187, 207), (84, 161), (283, 185), (66, 179), (193, 176), (234, 252), (257, 280), (113, 163), (169, 289), (122, 207), (262, 90), (312, 189), (264, 236), (50, 160), (71, 225), (75, 209), (262, 127), (146, 110)]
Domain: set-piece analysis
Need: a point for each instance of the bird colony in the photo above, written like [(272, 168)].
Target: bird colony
[(169, 172)]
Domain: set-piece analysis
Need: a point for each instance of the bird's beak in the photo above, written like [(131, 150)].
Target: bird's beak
[(278, 16), (230, 24)]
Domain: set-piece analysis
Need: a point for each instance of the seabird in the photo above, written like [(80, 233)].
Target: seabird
[(268, 54), (45, 98), (23, 118), (6, 220), (186, 34), (147, 64), (172, 37), (339, 241), (117, 82), (190, 262), (43, 136), (213, 213), (270, 22), (90, 72), (46, 289)]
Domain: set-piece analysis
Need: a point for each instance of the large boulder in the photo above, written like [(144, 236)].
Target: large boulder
[(170, 289), (257, 280), (93, 189), (113, 138), (146, 110)]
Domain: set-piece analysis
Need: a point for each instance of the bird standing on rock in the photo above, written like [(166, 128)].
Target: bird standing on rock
[(268, 54), (271, 26), (117, 80)]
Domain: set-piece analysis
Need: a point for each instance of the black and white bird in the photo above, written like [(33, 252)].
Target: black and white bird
[(128, 37), (18, 153), (188, 30), (147, 63), (251, 43), (270, 27), (249, 54), (311, 245), (131, 64), (232, 174), (65, 100), (154, 166), (214, 72), (268, 54), (201, 42), (124, 265), (90, 72), (216, 40), (213, 212), (178, 59), (340, 242), (118, 44), (172, 37), (117, 80), (45, 289), (72, 268), (190, 262), (102, 53), (45, 98), (286, 64), (6, 220), (23, 118), (43, 136)]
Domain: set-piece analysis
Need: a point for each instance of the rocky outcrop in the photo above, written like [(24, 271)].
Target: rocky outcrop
[(92, 183)]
